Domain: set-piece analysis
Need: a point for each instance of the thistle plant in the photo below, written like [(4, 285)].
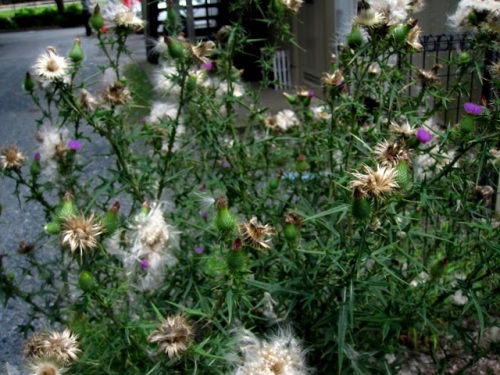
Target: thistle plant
[(338, 235)]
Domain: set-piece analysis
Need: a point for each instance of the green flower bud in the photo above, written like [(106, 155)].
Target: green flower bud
[(96, 20), (273, 183), (76, 53), (399, 34), (110, 219), (301, 165), (235, 260), (403, 174), (276, 6), (225, 221), (291, 232), (52, 228), (66, 209), (191, 83), (35, 168), (172, 18), (361, 208), (292, 99), (175, 49), (86, 281), (28, 83), (464, 57), (355, 38), (467, 124), (438, 269)]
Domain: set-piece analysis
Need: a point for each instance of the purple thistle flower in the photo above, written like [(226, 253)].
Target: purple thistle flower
[(203, 187), (198, 250), (204, 215), (207, 66), (144, 264), (423, 135), (74, 144), (473, 109), (225, 164), (310, 94), (37, 156)]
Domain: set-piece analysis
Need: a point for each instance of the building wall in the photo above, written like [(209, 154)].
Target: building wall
[(322, 24)]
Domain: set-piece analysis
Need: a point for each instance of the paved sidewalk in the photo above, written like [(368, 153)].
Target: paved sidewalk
[(18, 52)]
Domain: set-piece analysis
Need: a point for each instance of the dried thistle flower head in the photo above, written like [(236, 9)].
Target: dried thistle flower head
[(123, 16), (413, 39), (281, 354), (292, 218), (369, 18), (270, 122), (61, 346), (201, 51), (333, 79), (45, 367), (389, 153), (87, 100), (58, 346), (377, 183), (428, 78), (116, 94), (173, 336), (51, 66), (81, 233), (404, 129), (256, 234), (293, 5), (494, 70), (34, 346), (11, 157)]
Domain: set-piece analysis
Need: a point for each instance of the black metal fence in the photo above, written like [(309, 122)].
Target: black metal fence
[(444, 48)]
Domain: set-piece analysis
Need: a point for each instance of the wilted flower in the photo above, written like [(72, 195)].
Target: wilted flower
[(256, 234), (160, 46), (116, 94), (51, 66), (404, 129), (58, 346), (53, 147), (466, 15), (61, 346), (81, 233), (494, 70), (154, 240), (375, 183), (368, 17), (173, 336), (286, 119), (473, 109), (45, 367), (293, 5), (201, 51), (11, 158), (423, 135), (413, 39), (428, 78), (333, 79), (389, 153), (279, 355), (122, 16), (321, 113), (87, 100)]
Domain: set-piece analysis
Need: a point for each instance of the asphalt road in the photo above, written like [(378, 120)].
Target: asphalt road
[(18, 52)]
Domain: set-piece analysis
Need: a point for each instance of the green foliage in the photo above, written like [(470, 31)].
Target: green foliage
[(332, 224)]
